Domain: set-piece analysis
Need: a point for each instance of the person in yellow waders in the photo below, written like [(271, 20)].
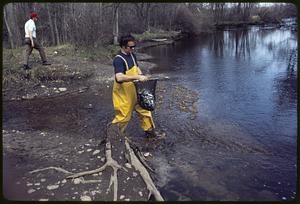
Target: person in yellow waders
[(124, 93)]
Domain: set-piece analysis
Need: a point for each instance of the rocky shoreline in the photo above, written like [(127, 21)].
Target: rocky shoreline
[(55, 132)]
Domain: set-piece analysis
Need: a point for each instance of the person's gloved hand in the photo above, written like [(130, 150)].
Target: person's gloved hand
[(142, 78)]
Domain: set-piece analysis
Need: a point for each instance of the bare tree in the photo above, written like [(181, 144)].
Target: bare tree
[(116, 23), (143, 11), (48, 7), (93, 24), (12, 45), (56, 29)]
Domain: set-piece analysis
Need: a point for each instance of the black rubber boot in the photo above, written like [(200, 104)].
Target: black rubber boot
[(46, 63), (26, 67), (155, 134)]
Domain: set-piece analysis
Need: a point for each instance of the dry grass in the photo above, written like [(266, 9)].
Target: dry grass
[(12, 64), (154, 35)]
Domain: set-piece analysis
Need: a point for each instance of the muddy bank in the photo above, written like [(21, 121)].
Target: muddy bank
[(66, 132), (59, 121), (67, 74)]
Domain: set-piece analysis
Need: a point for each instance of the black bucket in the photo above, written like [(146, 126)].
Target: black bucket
[(145, 92)]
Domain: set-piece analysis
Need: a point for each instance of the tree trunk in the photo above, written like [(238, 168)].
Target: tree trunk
[(65, 23), (51, 24), (73, 24), (148, 17), (100, 14), (10, 36), (15, 26), (116, 25), (56, 30)]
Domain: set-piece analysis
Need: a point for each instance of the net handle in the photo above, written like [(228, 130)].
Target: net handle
[(154, 78)]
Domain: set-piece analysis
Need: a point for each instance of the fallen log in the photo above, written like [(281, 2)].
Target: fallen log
[(129, 174)]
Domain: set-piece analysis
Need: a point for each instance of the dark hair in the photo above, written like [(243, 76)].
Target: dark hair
[(125, 39)]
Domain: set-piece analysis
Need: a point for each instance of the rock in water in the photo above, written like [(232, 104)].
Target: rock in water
[(85, 198), (128, 165), (147, 154), (30, 191), (77, 181), (43, 199), (52, 187), (96, 152), (141, 193), (62, 89)]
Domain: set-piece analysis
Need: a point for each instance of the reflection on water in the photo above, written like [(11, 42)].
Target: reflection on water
[(237, 42), (247, 111), (286, 90), (240, 43)]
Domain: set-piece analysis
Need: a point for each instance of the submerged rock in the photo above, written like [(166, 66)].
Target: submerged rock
[(77, 181), (31, 191), (147, 154), (85, 198), (52, 187), (128, 165), (80, 152), (96, 152), (43, 199), (62, 89)]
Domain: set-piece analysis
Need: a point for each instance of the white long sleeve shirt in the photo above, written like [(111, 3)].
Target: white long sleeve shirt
[(30, 26)]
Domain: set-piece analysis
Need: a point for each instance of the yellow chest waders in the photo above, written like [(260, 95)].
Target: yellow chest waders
[(125, 100)]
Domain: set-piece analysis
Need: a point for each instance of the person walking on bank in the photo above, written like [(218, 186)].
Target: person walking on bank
[(31, 42), (124, 93)]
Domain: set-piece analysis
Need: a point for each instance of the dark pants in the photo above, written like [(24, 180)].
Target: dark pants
[(28, 50)]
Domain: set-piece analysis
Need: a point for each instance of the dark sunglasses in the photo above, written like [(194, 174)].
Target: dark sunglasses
[(131, 47)]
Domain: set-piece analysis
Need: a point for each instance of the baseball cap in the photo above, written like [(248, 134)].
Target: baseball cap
[(33, 15)]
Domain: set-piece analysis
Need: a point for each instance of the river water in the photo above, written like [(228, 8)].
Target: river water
[(243, 143)]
